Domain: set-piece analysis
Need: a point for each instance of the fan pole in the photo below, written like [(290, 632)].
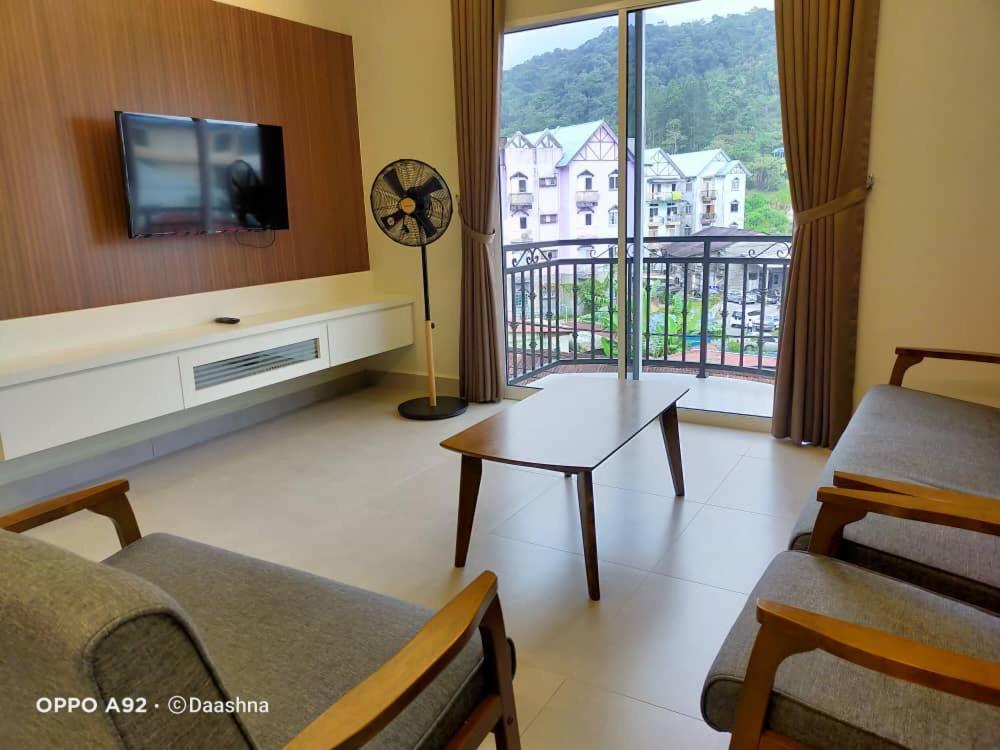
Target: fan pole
[(428, 333)]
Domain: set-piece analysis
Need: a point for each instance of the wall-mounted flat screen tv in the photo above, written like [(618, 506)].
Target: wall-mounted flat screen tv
[(187, 175)]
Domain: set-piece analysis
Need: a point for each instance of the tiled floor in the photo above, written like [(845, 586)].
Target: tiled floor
[(348, 490)]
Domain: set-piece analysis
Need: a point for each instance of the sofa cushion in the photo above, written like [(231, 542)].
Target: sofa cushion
[(912, 436), (300, 641), (822, 701), (73, 627)]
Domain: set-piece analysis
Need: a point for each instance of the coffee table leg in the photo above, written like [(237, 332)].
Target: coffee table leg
[(672, 441), (585, 496), (468, 493)]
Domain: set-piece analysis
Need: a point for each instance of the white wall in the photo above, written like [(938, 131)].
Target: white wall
[(931, 265)]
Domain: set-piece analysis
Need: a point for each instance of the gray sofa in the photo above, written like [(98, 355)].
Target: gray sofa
[(167, 617), (911, 436), (880, 627), (826, 702)]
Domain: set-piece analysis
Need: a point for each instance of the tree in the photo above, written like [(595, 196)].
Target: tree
[(673, 136), (762, 217), (766, 173)]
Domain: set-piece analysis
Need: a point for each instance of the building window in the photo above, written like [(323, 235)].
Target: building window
[(673, 187), (588, 218), (549, 218), (654, 211), (613, 181), (523, 222), (736, 183), (522, 185), (655, 188), (613, 216), (588, 183), (546, 182), (734, 206)]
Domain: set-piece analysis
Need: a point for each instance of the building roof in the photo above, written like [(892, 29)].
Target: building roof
[(694, 163), (571, 137), (694, 248)]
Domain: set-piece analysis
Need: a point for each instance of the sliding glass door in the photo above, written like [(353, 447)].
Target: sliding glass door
[(644, 199)]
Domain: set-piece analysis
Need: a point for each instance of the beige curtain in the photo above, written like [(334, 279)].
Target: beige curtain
[(477, 38), (826, 67)]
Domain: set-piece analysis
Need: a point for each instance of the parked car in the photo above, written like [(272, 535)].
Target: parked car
[(750, 319), (734, 295)]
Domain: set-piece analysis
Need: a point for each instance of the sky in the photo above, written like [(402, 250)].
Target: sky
[(522, 45)]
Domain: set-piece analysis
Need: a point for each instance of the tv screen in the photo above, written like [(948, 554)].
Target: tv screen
[(186, 175)]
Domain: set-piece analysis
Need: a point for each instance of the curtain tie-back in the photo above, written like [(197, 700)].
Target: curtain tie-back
[(835, 206), (485, 238)]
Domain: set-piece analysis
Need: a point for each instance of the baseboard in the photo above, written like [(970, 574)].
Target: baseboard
[(56, 470), (446, 386)]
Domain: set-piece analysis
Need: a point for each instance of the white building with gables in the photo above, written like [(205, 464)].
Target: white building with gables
[(562, 184)]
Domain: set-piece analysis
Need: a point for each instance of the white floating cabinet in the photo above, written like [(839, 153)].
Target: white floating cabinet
[(77, 395), (50, 412), (357, 336), (209, 373)]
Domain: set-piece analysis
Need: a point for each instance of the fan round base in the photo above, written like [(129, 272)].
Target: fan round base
[(420, 408)]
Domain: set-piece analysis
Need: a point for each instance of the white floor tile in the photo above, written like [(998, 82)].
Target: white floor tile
[(633, 528), (726, 548), (580, 717)]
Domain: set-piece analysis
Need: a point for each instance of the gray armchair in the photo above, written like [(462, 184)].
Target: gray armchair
[(336, 666), (830, 655)]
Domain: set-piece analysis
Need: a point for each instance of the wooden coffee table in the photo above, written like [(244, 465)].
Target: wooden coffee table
[(572, 426)]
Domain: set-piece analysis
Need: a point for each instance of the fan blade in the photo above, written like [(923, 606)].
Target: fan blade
[(392, 179), (392, 220), (430, 231), (432, 185)]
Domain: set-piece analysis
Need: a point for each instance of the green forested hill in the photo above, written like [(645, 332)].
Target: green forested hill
[(708, 83)]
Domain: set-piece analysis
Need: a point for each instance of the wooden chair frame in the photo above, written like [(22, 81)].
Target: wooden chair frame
[(786, 630), (907, 356), (368, 707)]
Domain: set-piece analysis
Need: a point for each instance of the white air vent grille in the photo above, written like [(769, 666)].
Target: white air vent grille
[(254, 363)]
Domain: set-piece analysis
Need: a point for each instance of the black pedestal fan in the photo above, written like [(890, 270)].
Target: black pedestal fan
[(412, 205)]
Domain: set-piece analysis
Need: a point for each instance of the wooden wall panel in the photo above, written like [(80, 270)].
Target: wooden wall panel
[(65, 67)]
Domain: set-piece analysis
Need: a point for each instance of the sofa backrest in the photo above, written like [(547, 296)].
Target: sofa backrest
[(75, 629)]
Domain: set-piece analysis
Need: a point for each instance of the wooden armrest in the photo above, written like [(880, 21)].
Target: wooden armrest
[(368, 707), (907, 356), (849, 481), (108, 499), (787, 630), (893, 655), (844, 506)]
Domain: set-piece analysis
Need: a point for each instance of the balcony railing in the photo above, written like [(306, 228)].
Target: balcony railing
[(560, 303), (707, 196), (522, 199), (587, 197)]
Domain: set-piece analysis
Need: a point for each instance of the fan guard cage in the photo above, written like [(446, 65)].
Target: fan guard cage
[(411, 202)]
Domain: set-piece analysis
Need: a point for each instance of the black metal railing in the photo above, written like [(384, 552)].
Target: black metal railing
[(708, 303)]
